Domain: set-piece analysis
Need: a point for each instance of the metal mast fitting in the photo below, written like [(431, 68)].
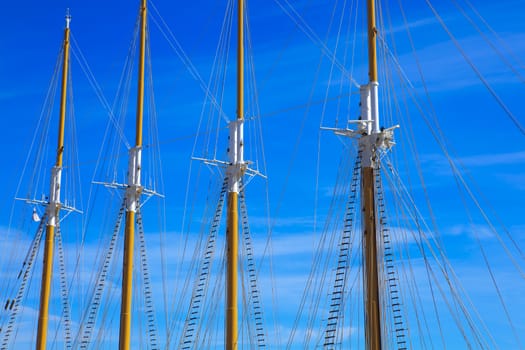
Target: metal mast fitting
[(134, 188), (53, 207), (133, 193), (68, 18)]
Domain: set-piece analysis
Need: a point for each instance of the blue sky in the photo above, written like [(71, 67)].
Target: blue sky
[(302, 163)]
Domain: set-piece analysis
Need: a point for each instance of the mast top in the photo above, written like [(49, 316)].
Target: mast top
[(68, 18)]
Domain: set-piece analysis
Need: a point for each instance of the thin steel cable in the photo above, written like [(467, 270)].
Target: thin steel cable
[(490, 89)]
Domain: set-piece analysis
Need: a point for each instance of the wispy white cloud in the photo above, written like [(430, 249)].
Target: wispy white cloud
[(413, 24), (494, 159), (440, 164), (458, 74), (514, 179), (474, 231)]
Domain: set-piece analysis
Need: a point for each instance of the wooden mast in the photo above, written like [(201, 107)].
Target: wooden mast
[(133, 192), (53, 207), (235, 169), (369, 217)]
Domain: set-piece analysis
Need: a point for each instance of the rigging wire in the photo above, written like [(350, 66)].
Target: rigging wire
[(258, 163), (460, 297), (38, 155), (217, 71), (489, 268), (87, 326), (38, 144), (258, 119), (291, 12), (81, 59), (254, 297), (176, 46), (489, 43), (109, 171), (64, 291), (414, 291), (155, 182), (491, 90), (317, 257), (439, 138), (147, 292), (15, 304), (476, 333), (508, 49), (186, 218), (393, 103)]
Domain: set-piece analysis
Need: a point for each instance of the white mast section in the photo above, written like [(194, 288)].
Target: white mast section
[(236, 165)]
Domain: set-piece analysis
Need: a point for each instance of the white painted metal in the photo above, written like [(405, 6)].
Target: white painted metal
[(68, 18), (54, 195), (367, 147), (366, 143), (366, 110), (369, 134), (374, 101), (134, 172), (35, 216), (235, 155)]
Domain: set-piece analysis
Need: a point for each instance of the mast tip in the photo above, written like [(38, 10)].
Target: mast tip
[(68, 18)]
